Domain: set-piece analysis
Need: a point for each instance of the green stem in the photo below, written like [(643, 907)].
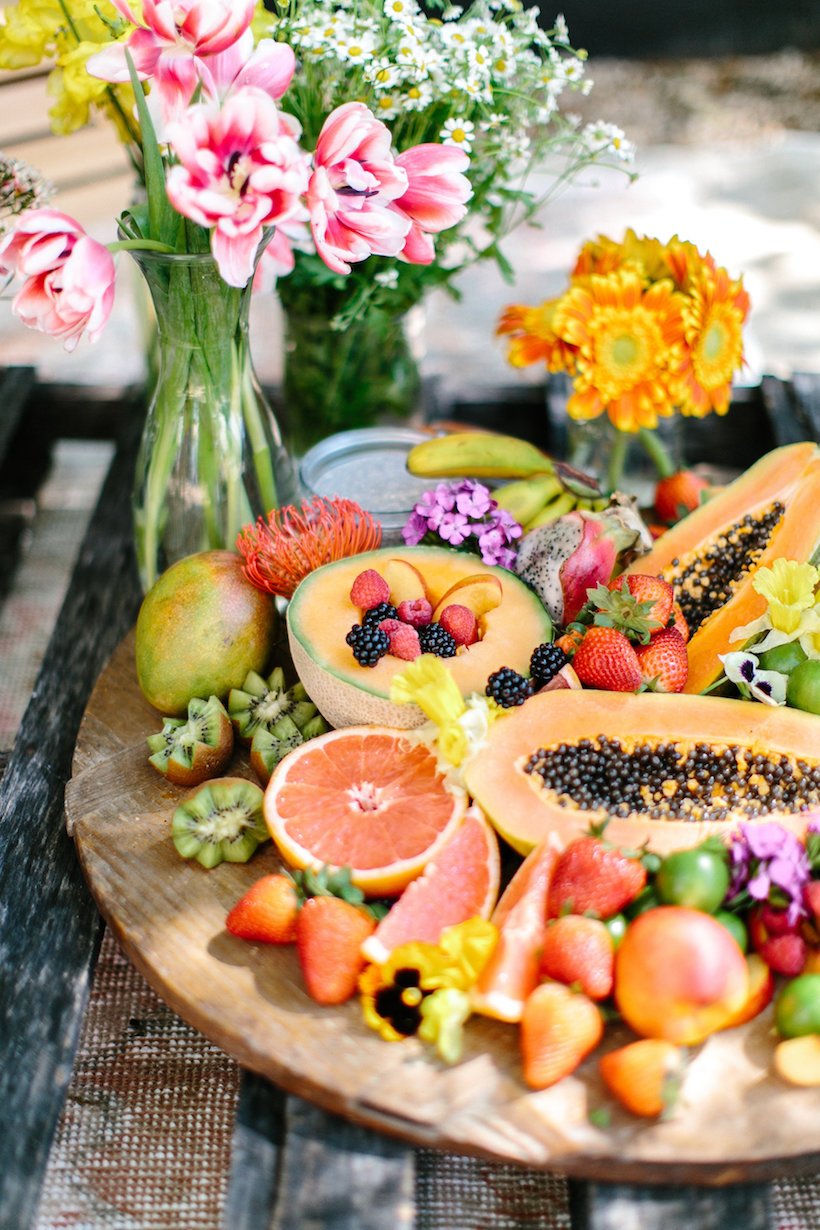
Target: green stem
[(262, 460), (617, 458), (657, 451), (139, 245)]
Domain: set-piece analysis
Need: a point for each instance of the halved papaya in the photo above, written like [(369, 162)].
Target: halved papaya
[(712, 555), (668, 769)]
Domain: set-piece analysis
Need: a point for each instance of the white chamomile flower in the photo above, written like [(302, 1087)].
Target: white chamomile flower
[(389, 278), (608, 139), (418, 96), (516, 144), (493, 122), (570, 69), (458, 132), (452, 12), (561, 29), (502, 66), (358, 50), (387, 105), (401, 11), (381, 74), (455, 36), (475, 88), (479, 60)]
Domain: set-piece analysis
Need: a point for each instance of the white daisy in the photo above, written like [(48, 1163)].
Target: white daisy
[(388, 278), (401, 11), (458, 132), (381, 74)]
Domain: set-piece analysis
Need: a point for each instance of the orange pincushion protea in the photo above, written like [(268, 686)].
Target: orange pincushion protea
[(281, 551)]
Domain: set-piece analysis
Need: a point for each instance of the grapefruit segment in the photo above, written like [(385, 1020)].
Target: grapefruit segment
[(512, 971), (366, 797), (459, 882)]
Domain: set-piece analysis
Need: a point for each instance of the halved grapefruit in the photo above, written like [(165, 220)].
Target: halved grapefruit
[(365, 797), (521, 917), (459, 882)]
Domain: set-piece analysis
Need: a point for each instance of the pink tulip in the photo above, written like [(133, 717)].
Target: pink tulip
[(170, 38), (240, 170), (269, 66), (68, 286), (435, 199), (354, 181)]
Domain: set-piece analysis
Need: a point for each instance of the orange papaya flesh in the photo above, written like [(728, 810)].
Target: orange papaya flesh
[(685, 768), (710, 557)]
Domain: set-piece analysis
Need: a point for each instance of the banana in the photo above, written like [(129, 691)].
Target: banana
[(556, 508), (477, 454), (525, 498)]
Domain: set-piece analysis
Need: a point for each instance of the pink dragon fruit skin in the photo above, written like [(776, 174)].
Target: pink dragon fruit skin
[(564, 558)]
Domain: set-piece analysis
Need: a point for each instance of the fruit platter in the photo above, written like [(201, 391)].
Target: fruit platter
[(505, 841)]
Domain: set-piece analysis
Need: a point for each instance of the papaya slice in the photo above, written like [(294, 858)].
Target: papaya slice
[(710, 557), (667, 769)]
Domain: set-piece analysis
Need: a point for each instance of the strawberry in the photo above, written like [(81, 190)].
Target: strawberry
[(664, 663), (460, 622), (579, 950), (369, 589), (605, 659), (594, 877), (415, 611), (650, 589), (677, 495), (644, 1076), (678, 620), (559, 1028), (329, 936), (777, 940), (811, 898), (267, 912), (404, 639)]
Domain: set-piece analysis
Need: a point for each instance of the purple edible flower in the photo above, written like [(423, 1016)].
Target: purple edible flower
[(464, 512), (769, 863)]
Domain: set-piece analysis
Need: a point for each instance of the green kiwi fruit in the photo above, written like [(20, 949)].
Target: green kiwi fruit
[(261, 703), (220, 821), (270, 746), (189, 751)]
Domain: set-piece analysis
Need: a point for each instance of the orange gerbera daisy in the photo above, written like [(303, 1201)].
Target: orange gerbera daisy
[(627, 341), (638, 253), (714, 313), (532, 338)]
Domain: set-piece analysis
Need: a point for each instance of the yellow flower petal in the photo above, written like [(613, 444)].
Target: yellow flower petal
[(443, 1016), (426, 682)]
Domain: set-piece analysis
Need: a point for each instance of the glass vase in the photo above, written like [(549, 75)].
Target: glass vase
[(631, 462), (211, 457), (336, 378)]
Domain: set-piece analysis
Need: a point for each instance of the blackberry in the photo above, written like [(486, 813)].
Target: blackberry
[(373, 617), (368, 643), (435, 639), (507, 688), (546, 662)]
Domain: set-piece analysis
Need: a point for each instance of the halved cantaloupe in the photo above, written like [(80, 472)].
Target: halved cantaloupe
[(525, 812), (321, 614), (789, 476)]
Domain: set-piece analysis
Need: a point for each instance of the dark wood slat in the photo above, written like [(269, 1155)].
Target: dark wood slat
[(16, 384), (337, 1175), (807, 395), (49, 928), (783, 410), (623, 1206), (256, 1151)]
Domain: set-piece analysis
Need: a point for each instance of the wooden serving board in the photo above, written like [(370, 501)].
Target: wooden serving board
[(734, 1120)]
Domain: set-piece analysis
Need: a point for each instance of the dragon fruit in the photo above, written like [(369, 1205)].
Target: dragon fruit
[(564, 558)]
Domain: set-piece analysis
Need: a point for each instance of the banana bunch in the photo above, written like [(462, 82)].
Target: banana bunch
[(543, 490)]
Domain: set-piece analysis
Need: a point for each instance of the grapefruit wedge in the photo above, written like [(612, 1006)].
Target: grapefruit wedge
[(521, 917), (459, 882), (365, 797)]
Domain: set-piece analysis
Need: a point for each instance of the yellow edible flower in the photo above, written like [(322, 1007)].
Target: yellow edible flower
[(788, 588), (423, 988), (461, 725), (28, 31)]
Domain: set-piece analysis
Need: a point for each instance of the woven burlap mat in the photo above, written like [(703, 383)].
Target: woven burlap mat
[(145, 1137)]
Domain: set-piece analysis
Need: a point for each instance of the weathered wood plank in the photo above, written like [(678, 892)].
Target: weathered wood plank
[(49, 928), (623, 1206), (256, 1152), (335, 1174), (15, 386), (807, 395)]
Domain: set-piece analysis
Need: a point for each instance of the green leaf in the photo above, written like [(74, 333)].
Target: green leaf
[(162, 217)]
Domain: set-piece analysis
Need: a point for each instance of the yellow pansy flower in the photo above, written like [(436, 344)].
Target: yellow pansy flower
[(788, 588)]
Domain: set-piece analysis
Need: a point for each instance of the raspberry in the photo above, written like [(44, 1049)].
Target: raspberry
[(461, 623), (416, 612), (369, 589), (435, 639), (507, 688), (404, 639), (368, 644), (545, 663)]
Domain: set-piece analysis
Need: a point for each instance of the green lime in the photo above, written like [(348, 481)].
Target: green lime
[(803, 691), (616, 926), (735, 925), (797, 1007), (695, 878), (783, 658)]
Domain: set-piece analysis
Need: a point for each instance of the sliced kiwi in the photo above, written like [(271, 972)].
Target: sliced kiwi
[(188, 752), (271, 746), (261, 703), (221, 821)]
